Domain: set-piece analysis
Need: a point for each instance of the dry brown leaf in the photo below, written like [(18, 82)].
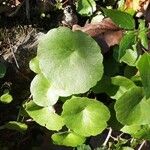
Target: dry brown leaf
[(17, 2), (132, 4), (106, 33), (140, 6)]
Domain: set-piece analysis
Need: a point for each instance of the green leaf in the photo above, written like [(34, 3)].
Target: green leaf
[(143, 31), (130, 71), (43, 95), (2, 70), (111, 66), (84, 147), (6, 98), (34, 65), (68, 139), (71, 61), (18, 126), (45, 116), (144, 69), (133, 108), (122, 19), (123, 83), (126, 148), (113, 122), (86, 7), (85, 116), (126, 42), (138, 131), (105, 86), (130, 57)]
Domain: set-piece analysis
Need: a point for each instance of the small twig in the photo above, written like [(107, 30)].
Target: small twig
[(12, 51), (132, 140), (121, 135), (141, 146), (108, 137), (18, 116)]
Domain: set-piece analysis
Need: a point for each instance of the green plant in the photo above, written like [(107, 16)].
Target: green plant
[(80, 67), (69, 64)]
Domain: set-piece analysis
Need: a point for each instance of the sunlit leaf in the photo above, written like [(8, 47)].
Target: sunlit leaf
[(34, 65), (85, 116), (68, 139), (45, 116), (43, 95), (6, 98), (71, 61)]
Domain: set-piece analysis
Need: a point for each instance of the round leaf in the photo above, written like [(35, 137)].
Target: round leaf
[(85, 116), (42, 93), (6, 98), (34, 65), (45, 116), (72, 61), (68, 139)]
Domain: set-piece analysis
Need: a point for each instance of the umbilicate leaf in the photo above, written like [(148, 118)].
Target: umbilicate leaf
[(42, 92), (85, 116), (68, 139), (34, 65), (86, 7), (45, 116), (71, 61), (6, 98)]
